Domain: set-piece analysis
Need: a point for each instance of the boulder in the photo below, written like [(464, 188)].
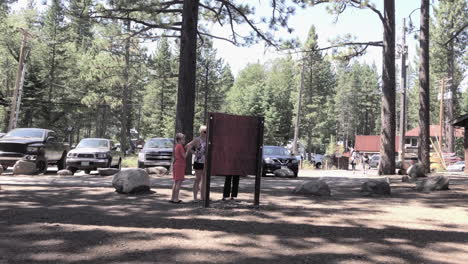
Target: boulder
[(64, 173), (156, 170), (435, 183), (317, 188), (24, 167), (107, 171), (283, 173), (416, 171), (376, 187), (131, 181)]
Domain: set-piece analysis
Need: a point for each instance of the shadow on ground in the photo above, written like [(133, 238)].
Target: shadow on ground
[(97, 225)]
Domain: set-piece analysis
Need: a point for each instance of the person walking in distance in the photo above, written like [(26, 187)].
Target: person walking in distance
[(198, 147), (178, 174)]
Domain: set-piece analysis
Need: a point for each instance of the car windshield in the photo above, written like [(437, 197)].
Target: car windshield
[(280, 151), (25, 133), (160, 143), (460, 162), (93, 143)]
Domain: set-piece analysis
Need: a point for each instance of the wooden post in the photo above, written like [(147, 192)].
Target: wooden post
[(258, 176), (206, 204)]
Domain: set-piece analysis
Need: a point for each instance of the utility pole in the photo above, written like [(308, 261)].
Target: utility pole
[(441, 114), (404, 50), (16, 99), (298, 113)]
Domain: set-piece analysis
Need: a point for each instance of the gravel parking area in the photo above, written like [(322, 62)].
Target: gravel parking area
[(52, 219)]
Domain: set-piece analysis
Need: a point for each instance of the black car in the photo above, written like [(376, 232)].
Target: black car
[(93, 153), (156, 152), (276, 157), (34, 144)]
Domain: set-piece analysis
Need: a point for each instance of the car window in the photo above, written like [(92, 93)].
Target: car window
[(159, 143), (25, 133), (93, 143), (276, 151)]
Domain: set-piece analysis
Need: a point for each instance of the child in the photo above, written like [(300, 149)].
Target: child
[(179, 167)]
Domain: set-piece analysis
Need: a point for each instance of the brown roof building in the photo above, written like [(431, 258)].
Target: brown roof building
[(371, 143)]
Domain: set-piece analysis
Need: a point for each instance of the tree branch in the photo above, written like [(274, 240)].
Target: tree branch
[(458, 32)]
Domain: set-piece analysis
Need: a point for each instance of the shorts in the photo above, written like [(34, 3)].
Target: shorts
[(198, 166)]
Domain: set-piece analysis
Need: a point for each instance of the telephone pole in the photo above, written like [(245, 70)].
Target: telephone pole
[(16, 99), (298, 113), (404, 51)]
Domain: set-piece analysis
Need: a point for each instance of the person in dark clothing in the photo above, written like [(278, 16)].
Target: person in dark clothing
[(228, 192)]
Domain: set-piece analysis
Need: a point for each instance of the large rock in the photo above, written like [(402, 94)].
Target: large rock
[(376, 187), (435, 183), (107, 171), (131, 181), (24, 167), (317, 188), (416, 171), (64, 173), (156, 170), (286, 172)]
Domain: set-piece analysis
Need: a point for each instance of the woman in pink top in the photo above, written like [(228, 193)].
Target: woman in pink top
[(178, 174)]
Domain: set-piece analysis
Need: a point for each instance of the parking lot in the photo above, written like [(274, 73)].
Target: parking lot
[(80, 219)]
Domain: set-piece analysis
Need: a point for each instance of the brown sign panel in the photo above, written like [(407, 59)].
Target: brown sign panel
[(235, 144)]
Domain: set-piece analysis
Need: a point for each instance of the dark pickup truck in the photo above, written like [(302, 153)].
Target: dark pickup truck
[(34, 144)]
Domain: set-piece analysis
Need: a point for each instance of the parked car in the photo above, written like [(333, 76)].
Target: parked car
[(317, 160), (93, 153), (374, 161), (156, 152), (277, 157), (457, 166), (38, 145)]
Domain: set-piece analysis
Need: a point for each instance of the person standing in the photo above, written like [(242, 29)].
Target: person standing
[(227, 187), (198, 147), (178, 174)]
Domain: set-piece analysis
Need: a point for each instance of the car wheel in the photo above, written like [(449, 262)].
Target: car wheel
[(463, 169), (318, 165), (5, 168), (141, 165), (296, 173), (87, 171), (72, 169), (41, 165), (62, 162)]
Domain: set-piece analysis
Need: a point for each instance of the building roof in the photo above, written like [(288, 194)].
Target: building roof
[(371, 143), (434, 131), (461, 121)]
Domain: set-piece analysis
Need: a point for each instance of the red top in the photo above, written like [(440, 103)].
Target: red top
[(179, 154)]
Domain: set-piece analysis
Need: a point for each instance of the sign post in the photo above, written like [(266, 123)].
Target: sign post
[(234, 147)]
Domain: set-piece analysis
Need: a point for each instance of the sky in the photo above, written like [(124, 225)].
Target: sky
[(363, 24)]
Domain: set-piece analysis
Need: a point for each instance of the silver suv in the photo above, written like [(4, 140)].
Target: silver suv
[(156, 152), (93, 153)]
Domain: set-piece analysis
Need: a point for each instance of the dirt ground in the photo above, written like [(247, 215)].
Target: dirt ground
[(58, 224)]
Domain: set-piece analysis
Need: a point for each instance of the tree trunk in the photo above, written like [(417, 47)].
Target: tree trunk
[(451, 101), (187, 73), (125, 111), (205, 104), (387, 137), (424, 109)]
